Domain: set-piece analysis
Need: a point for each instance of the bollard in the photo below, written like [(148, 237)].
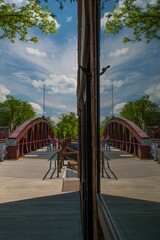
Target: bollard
[(155, 154), (1, 154), (158, 155)]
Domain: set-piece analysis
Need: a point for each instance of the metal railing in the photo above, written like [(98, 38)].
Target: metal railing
[(105, 167), (66, 151), (60, 160), (57, 162), (52, 165)]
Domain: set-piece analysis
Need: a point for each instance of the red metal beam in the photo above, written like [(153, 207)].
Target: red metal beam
[(156, 134), (28, 137), (2, 136), (129, 137)]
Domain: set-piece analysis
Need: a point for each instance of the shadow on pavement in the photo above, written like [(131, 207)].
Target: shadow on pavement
[(135, 219), (53, 217)]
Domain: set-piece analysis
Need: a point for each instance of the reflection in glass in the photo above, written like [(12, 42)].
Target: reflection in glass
[(127, 167)]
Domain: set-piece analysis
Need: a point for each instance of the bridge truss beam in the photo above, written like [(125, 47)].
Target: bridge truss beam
[(28, 137), (127, 136)]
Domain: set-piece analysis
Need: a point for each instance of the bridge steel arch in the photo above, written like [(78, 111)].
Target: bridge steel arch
[(155, 134), (127, 136), (31, 135), (2, 135)]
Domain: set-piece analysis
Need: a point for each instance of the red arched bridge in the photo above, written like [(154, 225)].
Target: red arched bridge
[(127, 136), (31, 135), (124, 135)]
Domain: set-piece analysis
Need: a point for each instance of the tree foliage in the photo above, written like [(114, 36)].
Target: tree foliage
[(142, 112), (67, 126), (144, 21), (53, 124), (14, 112), (61, 3), (103, 124), (16, 19)]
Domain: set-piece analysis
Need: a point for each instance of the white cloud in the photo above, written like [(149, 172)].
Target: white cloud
[(118, 83), (18, 2), (143, 3), (60, 106), (154, 92), (3, 92), (58, 25), (104, 20), (119, 52), (55, 119), (118, 107), (120, 6), (37, 108), (37, 83), (52, 61), (61, 84), (60, 58), (105, 84), (22, 76), (69, 19), (55, 83), (36, 52)]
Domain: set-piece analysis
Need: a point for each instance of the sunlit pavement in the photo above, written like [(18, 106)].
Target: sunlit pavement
[(133, 200), (32, 208)]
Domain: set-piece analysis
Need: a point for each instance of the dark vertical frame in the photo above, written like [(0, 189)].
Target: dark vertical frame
[(86, 163), (98, 3), (88, 100)]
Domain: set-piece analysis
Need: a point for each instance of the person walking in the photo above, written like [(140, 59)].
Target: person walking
[(103, 143), (49, 143), (108, 141), (54, 143)]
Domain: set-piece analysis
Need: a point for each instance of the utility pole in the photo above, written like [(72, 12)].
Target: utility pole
[(43, 100), (112, 103)]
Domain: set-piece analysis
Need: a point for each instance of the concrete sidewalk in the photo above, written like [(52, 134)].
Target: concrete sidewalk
[(36, 209), (133, 201)]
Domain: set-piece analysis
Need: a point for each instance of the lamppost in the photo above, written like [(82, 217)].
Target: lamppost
[(43, 101), (112, 104)]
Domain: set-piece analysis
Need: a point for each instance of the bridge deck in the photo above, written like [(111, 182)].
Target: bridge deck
[(35, 209), (133, 201)]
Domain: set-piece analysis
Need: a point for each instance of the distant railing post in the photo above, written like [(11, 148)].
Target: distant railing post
[(58, 164), (78, 164), (102, 163)]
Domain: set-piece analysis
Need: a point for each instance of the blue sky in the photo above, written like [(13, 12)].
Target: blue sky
[(25, 68), (134, 68)]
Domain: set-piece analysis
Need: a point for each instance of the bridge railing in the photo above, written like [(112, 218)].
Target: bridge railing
[(65, 153), (52, 165), (30, 136), (105, 166), (18, 149), (139, 148), (127, 136)]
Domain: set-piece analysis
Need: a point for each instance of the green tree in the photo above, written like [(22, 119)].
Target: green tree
[(61, 3), (53, 124), (143, 20), (142, 112), (16, 20), (67, 126), (103, 124), (14, 112)]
